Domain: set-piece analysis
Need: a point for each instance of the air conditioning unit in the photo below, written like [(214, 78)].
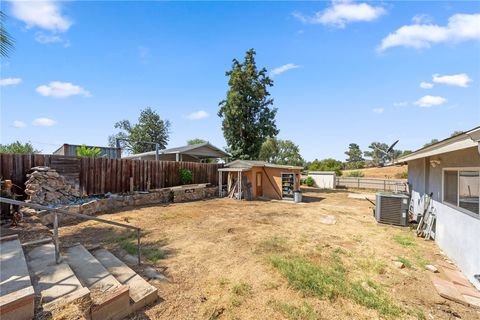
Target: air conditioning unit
[(392, 208)]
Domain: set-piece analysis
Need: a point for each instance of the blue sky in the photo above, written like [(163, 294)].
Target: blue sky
[(343, 71)]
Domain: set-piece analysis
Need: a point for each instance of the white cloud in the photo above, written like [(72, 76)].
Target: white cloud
[(378, 110), (459, 80), (422, 18), (430, 101), (45, 14), (400, 104), (44, 122), (341, 13), (279, 70), (59, 89), (18, 124), (50, 38), (426, 85), (198, 115), (460, 27), (9, 82)]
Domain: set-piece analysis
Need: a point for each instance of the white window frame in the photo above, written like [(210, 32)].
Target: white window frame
[(457, 207)]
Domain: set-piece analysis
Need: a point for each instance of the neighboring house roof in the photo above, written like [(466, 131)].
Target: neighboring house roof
[(248, 164), (464, 140), (79, 145), (201, 150)]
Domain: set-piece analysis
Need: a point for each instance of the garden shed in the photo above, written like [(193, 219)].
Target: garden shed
[(249, 179)]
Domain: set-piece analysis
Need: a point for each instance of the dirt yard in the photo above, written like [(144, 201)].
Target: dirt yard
[(226, 259)]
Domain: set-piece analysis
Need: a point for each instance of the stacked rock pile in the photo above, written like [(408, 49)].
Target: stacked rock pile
[(45, 186)]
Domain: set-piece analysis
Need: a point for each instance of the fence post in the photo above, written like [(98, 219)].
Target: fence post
[(138, 246), (55, 237), (358, 183)]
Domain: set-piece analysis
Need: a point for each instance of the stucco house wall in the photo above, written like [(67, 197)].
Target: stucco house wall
[(457, 233)]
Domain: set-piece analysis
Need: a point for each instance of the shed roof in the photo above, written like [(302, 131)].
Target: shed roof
[(201, 150), (248, 164), (464, 140)]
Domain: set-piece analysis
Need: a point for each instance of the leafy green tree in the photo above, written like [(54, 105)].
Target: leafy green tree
[(354, 153), (150, 128), (18, 147), (6, 40), (92, 152), (248, 118), (355, 159), (281, 152), (195, 141), (455, 133), (377, 153), (433, 141), (326, 165)]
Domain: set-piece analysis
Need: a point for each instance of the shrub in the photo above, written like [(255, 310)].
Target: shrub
[(186, 176), (92, 152), (402, 175), (309, 181), (356, 174), (326, 165)]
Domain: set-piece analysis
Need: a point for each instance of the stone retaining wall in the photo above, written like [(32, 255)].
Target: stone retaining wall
[(118, 201)]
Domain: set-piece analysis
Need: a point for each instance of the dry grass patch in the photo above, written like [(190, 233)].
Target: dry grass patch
[(331, 281), (276, 244), (302, 311), (406, 240), (405, 261), (128, 241)]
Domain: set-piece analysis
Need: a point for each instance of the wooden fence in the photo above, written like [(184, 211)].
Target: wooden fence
[(372, 183), (102, 175)]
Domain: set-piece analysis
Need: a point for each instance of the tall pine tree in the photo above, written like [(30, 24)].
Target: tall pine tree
[(248, 113)]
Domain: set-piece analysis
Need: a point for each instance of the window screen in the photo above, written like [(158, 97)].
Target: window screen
[(450, 187), (469, 190)]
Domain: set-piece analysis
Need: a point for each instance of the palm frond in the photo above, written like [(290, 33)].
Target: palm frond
[(6, 40)]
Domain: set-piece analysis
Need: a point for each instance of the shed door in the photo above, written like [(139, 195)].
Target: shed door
[(259, 183)]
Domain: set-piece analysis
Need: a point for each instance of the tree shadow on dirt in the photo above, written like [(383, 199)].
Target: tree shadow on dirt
[(118, 240)]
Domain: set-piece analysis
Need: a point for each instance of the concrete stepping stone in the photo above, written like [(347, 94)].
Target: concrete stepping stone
[(456, 277), (447, 290), (328, 219)]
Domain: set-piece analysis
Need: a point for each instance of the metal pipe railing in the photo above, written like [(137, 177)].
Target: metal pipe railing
[(56, 211)]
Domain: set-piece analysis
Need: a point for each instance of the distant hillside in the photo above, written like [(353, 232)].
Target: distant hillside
[(393, 172)]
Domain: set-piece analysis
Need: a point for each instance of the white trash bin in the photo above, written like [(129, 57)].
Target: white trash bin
[(297, 196)]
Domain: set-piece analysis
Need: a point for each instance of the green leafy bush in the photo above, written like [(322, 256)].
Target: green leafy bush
[(326, 165), (92, 152), (186, 176), (402, 175), (309, 181), (356, 174)]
